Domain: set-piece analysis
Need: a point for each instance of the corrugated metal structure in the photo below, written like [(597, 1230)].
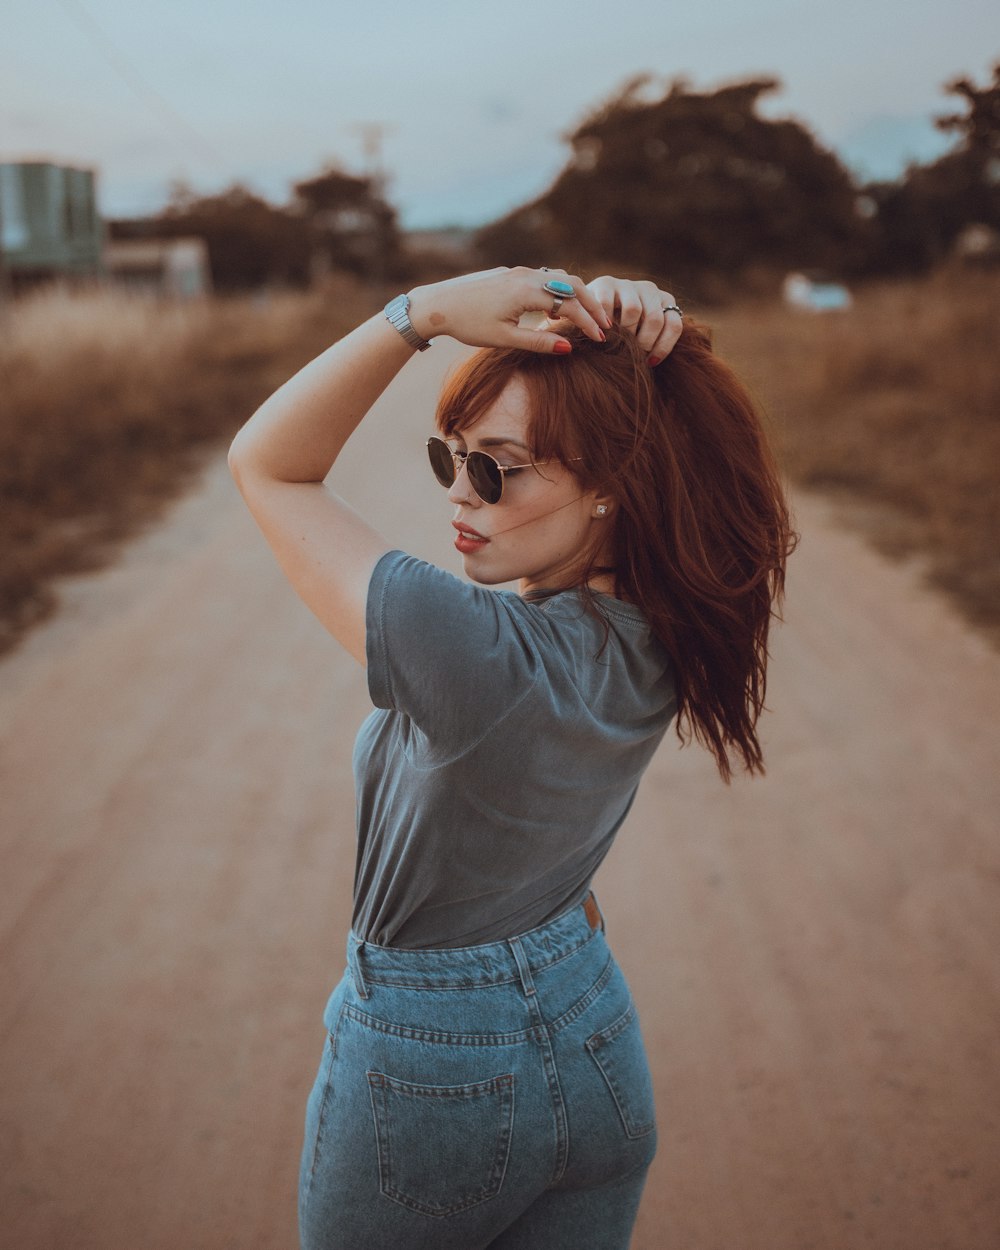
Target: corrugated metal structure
[(49, 223)]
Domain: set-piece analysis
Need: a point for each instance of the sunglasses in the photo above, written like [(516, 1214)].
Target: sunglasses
[(485, 474)]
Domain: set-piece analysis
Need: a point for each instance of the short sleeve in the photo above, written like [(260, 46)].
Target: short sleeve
[(454, 657)]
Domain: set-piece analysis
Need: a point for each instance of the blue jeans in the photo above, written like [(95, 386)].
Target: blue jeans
[(483, 1096)]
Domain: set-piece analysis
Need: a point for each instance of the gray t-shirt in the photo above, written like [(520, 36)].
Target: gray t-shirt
[(504, 758)]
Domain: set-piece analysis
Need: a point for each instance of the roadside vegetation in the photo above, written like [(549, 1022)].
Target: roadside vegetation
[(894, 406), (109, 402)]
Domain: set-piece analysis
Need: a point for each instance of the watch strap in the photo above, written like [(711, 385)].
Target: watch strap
[(397, 313)]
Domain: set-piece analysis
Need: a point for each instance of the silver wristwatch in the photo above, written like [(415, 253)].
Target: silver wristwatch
[(397, 313)]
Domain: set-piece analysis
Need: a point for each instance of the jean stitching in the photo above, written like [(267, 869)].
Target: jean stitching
[(434, 985), (594, 1045), (617, 1026), (581, 1005), (382, 1146), (538, 967), (431, 983), (439, 1037), (558, 1110), (501, 1087), (631, 1129), (331, 1042), (558, 1103)]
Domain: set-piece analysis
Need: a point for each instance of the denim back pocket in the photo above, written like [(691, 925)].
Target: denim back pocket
[(621, 1057), (442, 1148)]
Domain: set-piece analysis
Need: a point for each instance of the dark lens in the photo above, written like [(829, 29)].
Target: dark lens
[(439, 454), (485, 476)]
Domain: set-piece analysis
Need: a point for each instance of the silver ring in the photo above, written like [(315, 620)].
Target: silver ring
[(673, 308), (557, 303), (545, 269)]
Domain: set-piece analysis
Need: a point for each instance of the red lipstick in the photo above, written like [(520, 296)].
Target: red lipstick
[(468, 539)]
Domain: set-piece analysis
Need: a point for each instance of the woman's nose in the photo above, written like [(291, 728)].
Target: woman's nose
[(460, 491)]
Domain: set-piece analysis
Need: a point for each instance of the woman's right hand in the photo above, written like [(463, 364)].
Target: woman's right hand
[(484, 309), (641, 307)]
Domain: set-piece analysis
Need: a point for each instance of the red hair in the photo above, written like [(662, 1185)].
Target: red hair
[(701, 527)]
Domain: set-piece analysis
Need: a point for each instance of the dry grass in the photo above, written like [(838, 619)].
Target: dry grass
[(108, 403), (895, 407)]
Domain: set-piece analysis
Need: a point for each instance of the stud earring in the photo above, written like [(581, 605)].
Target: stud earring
[(602, 509)]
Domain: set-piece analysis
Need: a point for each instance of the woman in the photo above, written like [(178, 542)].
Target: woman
[(483, 1081)]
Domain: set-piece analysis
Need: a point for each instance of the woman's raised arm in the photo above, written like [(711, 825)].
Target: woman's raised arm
[(281, 457)]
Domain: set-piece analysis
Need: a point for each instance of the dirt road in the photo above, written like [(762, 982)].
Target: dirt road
[(816, 955)]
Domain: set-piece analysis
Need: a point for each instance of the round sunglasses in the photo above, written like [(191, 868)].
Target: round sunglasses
[(486, 475)]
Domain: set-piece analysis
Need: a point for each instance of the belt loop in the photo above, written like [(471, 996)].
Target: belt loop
[(595, 917), (521, 959), (356, 973)]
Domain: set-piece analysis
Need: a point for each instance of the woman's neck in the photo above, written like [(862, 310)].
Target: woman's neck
[(599, 583)]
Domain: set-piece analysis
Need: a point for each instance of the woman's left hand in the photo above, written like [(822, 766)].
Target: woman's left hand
[(486, 309), (651, 314)]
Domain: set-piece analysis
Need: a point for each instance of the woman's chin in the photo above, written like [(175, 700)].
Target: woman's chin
[(477, 570)]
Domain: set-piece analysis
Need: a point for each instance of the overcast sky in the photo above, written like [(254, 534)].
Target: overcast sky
[(474, 99)]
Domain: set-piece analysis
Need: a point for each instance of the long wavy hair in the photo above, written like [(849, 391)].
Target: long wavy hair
[(701, 528)]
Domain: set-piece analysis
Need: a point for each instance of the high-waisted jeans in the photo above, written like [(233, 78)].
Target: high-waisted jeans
[(483, 1096)]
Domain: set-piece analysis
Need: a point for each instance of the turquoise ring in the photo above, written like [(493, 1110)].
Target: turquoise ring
[(562, 292)]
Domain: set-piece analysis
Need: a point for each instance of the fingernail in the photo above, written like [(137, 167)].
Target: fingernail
[(653, 361), (604, 337), (561, 347)]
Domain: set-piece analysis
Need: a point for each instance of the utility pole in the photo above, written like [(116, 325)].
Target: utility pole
[(372, 135)]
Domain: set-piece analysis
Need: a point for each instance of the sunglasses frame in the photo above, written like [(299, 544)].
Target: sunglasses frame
[(476, 457)]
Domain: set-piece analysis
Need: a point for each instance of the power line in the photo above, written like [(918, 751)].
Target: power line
[(134, 79)]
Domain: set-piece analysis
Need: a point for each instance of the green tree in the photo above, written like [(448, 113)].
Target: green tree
[(695, 185)]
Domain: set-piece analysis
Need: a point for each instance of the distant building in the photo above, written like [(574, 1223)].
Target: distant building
[(49, 223), (173, 267)]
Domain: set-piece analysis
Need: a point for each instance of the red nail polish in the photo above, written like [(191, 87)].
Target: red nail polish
[(604, 337), (561, 347), (653, 361)]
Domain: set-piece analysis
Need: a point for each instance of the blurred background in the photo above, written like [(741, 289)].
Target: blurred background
[(193, 202), (197, 199)]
